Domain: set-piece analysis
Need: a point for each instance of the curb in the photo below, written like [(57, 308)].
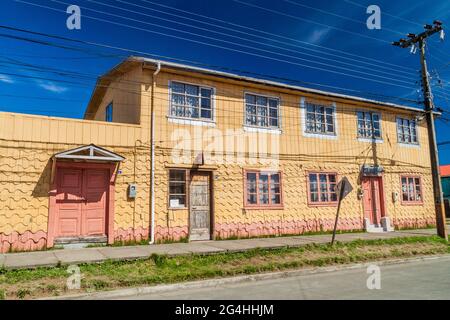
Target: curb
[(122, 293)]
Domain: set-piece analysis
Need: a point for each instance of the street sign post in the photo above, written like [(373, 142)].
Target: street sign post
[(343, 188)]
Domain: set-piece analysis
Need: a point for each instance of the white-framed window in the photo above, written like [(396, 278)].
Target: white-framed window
[(369, 125), (407, 131), (262, 111), (319, 119), (191, 101)]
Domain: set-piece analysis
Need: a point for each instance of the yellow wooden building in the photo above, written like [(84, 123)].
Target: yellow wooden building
[(171, 152)]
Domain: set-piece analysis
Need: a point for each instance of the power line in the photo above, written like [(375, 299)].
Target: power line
[(244, 46), (309, 21), (265, 38), (152, 55), (357, 56)]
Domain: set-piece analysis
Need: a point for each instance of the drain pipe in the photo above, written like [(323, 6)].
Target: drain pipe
[(152, 141)]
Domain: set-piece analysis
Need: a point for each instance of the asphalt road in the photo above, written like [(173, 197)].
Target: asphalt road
[(429, 279)]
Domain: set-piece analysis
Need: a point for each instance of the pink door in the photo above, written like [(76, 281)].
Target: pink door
[(94, 208), (81, 202), (373, 199)]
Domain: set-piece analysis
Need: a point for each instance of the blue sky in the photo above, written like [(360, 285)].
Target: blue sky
[(321, 44)]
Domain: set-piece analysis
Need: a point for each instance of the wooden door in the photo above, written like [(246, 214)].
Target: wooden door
[(200, 213), (94, 208), (81, 202), (373, 199), (69, 201)]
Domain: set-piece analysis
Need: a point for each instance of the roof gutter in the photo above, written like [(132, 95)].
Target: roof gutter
[(152, 142)]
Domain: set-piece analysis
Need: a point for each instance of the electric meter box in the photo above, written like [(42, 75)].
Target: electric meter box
[(132, 190)]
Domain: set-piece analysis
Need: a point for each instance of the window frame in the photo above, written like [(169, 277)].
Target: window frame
[(372, 138), (186, 190), (268, 97), (110, 106), (188, 120), (411, 202), (416, 143), (308, 188), (333, 116), (258, 205)]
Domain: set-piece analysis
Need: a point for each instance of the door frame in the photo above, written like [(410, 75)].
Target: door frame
[(382, 195), (211, 202), (52, 211)]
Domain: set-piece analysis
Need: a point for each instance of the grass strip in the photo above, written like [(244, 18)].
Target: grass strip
[(160, 269)]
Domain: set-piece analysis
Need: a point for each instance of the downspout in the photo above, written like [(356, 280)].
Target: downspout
[(152, 141)]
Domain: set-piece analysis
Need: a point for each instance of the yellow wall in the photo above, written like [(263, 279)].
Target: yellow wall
[(27, 144), (298, 155)]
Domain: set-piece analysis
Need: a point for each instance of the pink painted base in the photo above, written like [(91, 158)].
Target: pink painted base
[(26, 241), (413, 223), (171, 234), (129, 234), (245, 230)]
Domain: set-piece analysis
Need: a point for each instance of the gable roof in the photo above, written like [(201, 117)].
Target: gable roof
[(89, 152), (133, 61)]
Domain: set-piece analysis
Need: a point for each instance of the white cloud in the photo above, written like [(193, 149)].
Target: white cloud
[(50, 86), (318, 35), (6, 79)]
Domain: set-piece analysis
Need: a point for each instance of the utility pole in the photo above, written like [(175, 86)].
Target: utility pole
[(418, 41)]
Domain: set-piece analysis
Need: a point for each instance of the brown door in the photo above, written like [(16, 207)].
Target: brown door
[(373, 199), (81, 202), (200, 213)]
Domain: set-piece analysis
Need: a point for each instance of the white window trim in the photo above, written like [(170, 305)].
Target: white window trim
[(193, 121), (370, 140), (365, 139), (407, 144), (251, 128), (262, 130), (333, 136)]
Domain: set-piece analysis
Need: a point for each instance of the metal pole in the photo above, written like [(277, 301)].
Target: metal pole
[(341, 192)]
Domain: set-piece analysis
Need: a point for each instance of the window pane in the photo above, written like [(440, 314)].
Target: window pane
[(206, 103), (251, 198), (206, 114), (177, 201), (250, 99), (177, 175), (275, 199), (177, 87), (205, 92), (261, 101), (251, 182), (263, 183), (191, 90)]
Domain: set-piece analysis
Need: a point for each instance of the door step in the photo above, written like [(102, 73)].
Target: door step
[(80, 242)]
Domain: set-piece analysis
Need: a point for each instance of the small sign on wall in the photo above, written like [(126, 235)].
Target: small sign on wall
[(174, 203)]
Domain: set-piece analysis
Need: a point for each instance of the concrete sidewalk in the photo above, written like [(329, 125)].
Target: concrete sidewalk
[(91, 255)]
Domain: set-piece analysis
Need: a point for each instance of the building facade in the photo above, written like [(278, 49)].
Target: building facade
[(221, 156)]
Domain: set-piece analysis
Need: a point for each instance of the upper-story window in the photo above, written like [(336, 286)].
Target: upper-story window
[(262, 111), (406, 131), (369, 125), (109, 113), (319, 119), (191, 101)]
